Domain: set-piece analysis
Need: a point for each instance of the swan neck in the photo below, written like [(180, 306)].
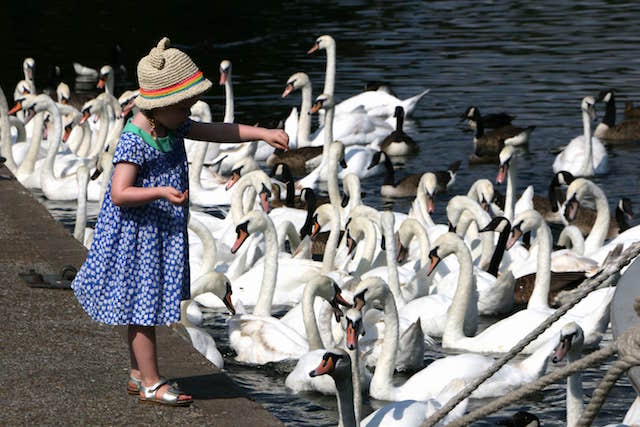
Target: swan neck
[(229, 113), (309, 316), (209, 254), (5, 134), (509, 203), (28, 163), (346, 413), (575, 403), (54, 144), (392, 265), (304, 122), (587, 168), (355, 382), (540, 295), (81, 211), (601, 226), (330, 71), (328, 260), (461, 299), (237, 204), (268, 287), (383, 375)]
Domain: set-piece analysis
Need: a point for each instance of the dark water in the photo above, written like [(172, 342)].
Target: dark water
[(533, 59)]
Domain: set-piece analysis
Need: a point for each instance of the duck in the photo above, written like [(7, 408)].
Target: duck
[(491, 121), (585, 155), (398, 143), (592, 312), (376, 103), (607, 130)]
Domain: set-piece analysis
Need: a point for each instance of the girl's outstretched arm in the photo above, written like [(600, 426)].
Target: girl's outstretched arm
[(125, 194), (233, 132)]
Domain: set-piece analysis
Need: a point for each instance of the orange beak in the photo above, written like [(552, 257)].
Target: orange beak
[(85, 116), (64, 101), (15, 108), (515, 235), (287, 90), (67, 132), (232, 181), (227, 301), (315, 107), (326, 366), (242, 236), (431, 206), (264, 200), (352, 336), (223, 78), (313, 48), (100, 84), (316, 229), (502, 173)]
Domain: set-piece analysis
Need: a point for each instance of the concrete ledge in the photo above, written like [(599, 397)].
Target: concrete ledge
[(59, 367), (623, 315)]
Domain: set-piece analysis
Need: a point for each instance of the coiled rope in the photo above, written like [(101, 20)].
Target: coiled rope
[(607, 276)]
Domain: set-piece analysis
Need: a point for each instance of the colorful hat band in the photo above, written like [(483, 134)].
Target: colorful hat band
[(175, 88)]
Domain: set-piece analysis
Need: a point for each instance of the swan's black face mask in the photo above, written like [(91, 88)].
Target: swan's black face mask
[(316, 227), (354, 329), (328, 364), (358, 300), (265, 195), (563, 347), (242, 233), (338, 301), (227, 299), (435, 259)]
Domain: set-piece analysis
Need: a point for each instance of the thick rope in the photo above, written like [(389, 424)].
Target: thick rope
[(628, 344), (607, 276), (592, 359)]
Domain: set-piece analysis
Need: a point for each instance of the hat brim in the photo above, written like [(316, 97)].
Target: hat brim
[(174, 98)]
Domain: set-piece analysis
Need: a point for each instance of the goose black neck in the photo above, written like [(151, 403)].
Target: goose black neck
[(620, 219), (310, 199), (399, 121), (498, 253), (290, 200), (479, 126), (389, 175), (610, 112)]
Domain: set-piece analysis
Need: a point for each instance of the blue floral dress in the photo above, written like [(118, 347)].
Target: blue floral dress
[(137, 270)]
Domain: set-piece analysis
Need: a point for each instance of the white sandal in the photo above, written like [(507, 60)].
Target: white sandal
[(170, 397)]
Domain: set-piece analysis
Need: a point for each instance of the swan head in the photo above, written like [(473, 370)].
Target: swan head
[(34, 104), (322, 42), (445, 245), (127, 101), (588, 106), (106, 74), (201, 111), (251, 223), (406, 233), (506, 157), (484, 193), (324, 101), (335, 363), (23, 102), (216, 283), (576, 192), (428, 184), (357, 228), (261, 183), (336, 152), (28, 67), (375, 290), (354, 327), (325, 287), (225, 71), (571, 340), (524, 223), (63, 93), (323, 215), (240, 168), (296, 81)]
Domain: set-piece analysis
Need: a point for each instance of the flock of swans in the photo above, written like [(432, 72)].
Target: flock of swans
[(368, 290)]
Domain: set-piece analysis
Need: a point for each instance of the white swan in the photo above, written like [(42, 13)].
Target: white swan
[(220, 286), (376, 103), (592, 313), (585, 155), (324, 288), (260, 338), (81, 232)]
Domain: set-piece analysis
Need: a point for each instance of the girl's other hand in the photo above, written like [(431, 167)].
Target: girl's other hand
[(277, 138), (174, 196)]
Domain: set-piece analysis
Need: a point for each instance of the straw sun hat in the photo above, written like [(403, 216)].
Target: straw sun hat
[(167, 76)]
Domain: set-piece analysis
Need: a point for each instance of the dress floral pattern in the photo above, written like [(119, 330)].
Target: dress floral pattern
[(137, 270)]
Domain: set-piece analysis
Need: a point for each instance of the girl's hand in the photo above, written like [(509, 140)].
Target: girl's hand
[(277, 138), (174, 196)]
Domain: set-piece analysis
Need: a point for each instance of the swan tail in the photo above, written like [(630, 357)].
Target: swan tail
[(410, 104)]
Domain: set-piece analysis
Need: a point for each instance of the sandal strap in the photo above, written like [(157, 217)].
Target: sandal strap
[(150, 392)]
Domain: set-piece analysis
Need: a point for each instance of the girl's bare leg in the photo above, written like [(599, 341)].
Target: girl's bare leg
[(142, 341)]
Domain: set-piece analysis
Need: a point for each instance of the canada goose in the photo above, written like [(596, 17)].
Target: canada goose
[(398, 143), (296, 159), (627, 130), (490, 121), (490, 144), (631, 112)]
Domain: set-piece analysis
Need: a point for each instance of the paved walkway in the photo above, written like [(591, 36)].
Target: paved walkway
[(58, 367)]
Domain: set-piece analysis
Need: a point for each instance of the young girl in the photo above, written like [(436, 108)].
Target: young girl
[(137, 270)]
